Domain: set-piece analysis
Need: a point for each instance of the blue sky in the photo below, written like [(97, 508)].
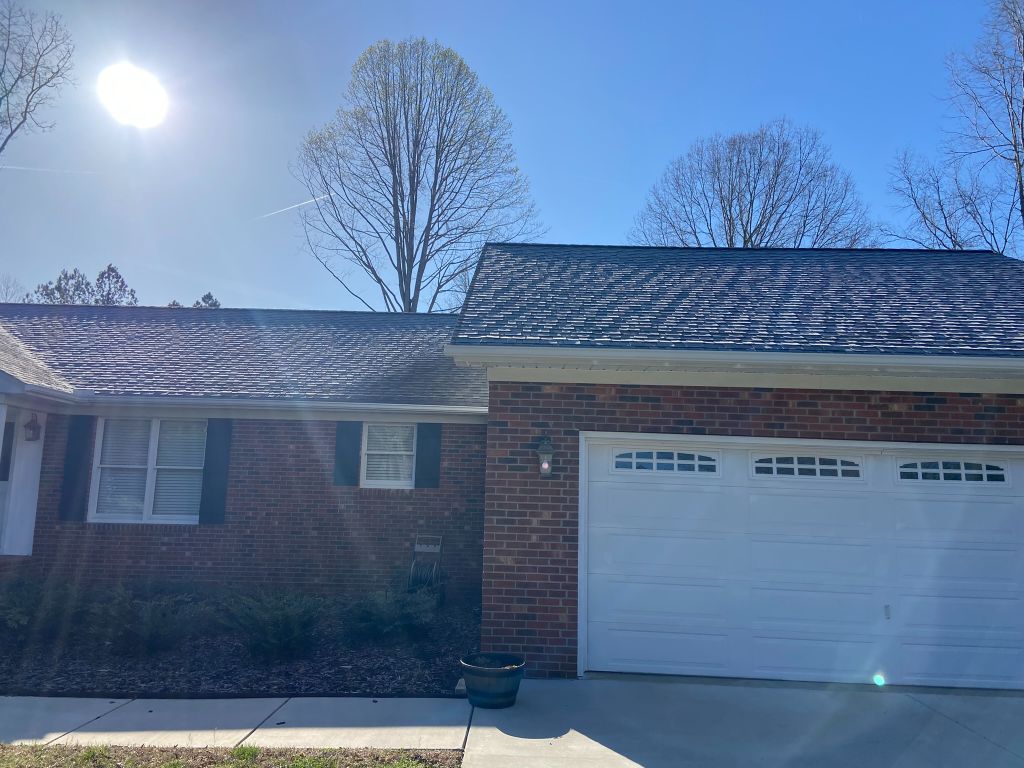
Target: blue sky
[(601, 97)]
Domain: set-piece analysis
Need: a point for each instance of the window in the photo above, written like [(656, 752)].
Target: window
[(389, 455), (807, 466), (666, 461), (148, 470), (952, 470)]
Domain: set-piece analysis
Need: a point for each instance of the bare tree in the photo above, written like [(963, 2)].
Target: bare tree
[(415, 172), (11, 291), (35, 63), (774, 187), (956, 204), (973, 195)]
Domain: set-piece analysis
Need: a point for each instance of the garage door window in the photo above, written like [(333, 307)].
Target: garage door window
[(666, 461), (952, 471), (807, 466)]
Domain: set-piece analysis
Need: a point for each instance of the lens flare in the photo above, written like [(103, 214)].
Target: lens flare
[(132, 95), (878, 679)]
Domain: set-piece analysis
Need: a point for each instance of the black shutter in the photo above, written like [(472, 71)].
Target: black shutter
[(348, 442), (74, 493), (428, 455), (215, 472)]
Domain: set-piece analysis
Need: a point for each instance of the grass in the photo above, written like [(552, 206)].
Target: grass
[(239, 757)]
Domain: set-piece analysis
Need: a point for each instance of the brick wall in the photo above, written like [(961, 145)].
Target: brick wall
[(285, 525), (531, 523)]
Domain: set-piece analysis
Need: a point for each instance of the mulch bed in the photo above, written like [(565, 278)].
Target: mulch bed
[(220, 666), (153, 757)]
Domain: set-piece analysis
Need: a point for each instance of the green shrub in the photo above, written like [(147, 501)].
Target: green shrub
[(133, 625), (31, 607), (274, 626), (393, 614)]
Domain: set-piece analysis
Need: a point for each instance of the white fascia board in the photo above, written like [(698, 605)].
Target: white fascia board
[(656, 359), (758, 369), (101, 405)]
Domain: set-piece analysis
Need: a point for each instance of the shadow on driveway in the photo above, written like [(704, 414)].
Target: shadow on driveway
[(655, 722)]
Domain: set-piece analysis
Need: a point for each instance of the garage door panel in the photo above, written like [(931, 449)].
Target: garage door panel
[(666, 650), (673, 508), (971, 664), (958, 519), (827, 561), (808, 657), (994, 567), (816, 608), (811, 514), (948, 615), (634, 600), (624, 552)]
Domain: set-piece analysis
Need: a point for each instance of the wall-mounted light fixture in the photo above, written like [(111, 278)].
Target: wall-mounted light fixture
[(545, 453), (33, 429)]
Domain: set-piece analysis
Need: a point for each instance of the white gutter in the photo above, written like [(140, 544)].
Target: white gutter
[(88, 400), (483, 355), (147, 401)]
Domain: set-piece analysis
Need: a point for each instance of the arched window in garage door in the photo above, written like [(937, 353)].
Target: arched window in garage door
[(666, 461), (808, 466), (952, 471)]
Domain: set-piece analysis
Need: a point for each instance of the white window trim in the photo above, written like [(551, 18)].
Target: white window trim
[(859, 461), (662, 474), (148, 518), (982, 485), (363, 481)]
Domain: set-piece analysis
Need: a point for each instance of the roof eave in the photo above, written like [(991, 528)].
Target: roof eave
[(742, 368)]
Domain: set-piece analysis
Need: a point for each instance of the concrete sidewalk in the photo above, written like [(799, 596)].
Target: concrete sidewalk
[(615, 722), (282, 722)]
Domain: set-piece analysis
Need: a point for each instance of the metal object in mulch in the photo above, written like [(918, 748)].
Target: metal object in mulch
[(425, 570)]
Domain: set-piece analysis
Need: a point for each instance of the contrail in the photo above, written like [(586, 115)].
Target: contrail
[(292, 207), (45, 170)]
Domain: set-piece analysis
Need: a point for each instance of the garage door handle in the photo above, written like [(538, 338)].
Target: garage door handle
[(888, 611)]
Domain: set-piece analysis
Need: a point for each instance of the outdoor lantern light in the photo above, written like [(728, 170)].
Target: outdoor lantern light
[(545, 452), (33, 429)]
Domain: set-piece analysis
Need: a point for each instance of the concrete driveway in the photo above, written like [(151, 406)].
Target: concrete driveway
[(656, 722), (608, 723)]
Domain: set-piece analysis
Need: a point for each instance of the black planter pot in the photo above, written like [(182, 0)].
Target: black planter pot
[(492, 679)]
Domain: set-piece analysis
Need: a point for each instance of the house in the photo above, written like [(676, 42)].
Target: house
[(795, 464), (294, 448)]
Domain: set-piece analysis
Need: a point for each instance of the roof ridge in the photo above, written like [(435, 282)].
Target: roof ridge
[(281, 310), (741, 249)]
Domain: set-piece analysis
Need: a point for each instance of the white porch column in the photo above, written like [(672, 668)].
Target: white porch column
[(23, 493)]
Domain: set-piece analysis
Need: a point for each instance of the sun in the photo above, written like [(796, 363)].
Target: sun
[(132, 95)]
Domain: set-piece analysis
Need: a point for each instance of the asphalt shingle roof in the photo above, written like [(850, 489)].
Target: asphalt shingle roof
[(19, 362), (879, 301), (283, 355)]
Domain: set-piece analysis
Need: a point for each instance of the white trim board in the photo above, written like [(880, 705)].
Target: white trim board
[(854, 371), (208, 408), (867, 447)]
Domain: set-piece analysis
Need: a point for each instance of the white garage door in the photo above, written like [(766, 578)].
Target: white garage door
[(827, 561)]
